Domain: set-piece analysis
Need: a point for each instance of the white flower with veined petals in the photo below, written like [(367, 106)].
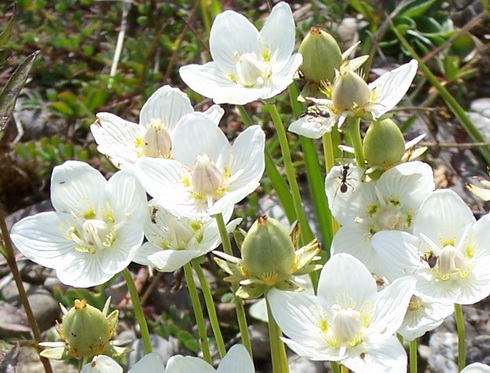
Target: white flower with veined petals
[(348, 321), (390, 203), (448, 253), (95, 229), (351, 96), (207, 175), (247, 64), (237, 360), (123, 142), (175, 239), (476, 368)]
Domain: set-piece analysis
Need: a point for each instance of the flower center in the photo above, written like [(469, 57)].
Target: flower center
[(252, 71), (347, 325), (207, 179), (389, 215), (156, 141), (94, 234), (350, 91), (451, 262)]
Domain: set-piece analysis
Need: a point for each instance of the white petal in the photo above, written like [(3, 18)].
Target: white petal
[(311, 126), (143, 252), (283, 77), (398, 254), (117, 138), (345, 279), (391, 306), (196, 135), (102, 364), (410, 181), (237, 360), (231, 32), (150, 363), (248, 158), (443, 217), (392, 86), (215, 112), (211, 82), (347, 206), (385, 356), (128, 198), (167, 104), (355, 239), (294, 313), (83, 271), (76, 188), (171, 260), (188, 364), (40, 239), (279, 31)]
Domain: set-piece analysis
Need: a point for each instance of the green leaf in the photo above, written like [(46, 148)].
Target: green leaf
[(417, 8), (5, 35), (9, 93)]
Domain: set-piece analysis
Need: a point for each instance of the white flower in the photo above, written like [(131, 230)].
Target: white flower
[(348, 321), (124, 142), (175, 239), (207, 175), (448, 253), (350, 96), (102, 364), (476, 368), (247, 64), (237, 360), (390, 203), (95, 229)]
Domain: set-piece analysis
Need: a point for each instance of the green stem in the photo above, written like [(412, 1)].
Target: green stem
[(198, 314), (451, 102), (211, 308), (316, 179), (240, 309), (335, 367), (306, 233), (8, 251), (458, 314), (244, 115), (344, 369), (138, 311), (354, 135), (278, 351), (413, 356)]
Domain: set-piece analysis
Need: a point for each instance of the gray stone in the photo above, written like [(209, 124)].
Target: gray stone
[(300, 364), (259, 337), (443, 353), (482, 106), (165, 349)]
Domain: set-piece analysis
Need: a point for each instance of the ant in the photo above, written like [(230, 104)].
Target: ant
[(344, 173), (314, 111)]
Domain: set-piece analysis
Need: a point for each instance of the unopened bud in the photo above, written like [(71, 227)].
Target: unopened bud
[(87, 330), (349, 91), (206, 177), (267, 251), (383, 144), (157, 142), (321, 56)]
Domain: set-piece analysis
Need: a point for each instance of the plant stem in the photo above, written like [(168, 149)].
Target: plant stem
[(240, 309), (306, 234), (278, 351), (413, 356), (138, 311), (354, 135), (198, 314), (335, 367), (8, 252), (211, 308), (344, 369), (458, 315)]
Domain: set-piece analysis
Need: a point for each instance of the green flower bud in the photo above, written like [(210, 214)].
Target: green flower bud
[(383, 144), (321, 56), (87, 330), (267, 251), (350, 91)]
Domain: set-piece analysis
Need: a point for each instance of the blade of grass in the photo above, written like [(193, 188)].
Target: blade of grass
[(451, 102)]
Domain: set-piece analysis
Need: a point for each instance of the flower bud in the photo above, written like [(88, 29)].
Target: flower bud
[(383, 144), (349, 91), (321, 56), (267, 251), (86, 330)]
